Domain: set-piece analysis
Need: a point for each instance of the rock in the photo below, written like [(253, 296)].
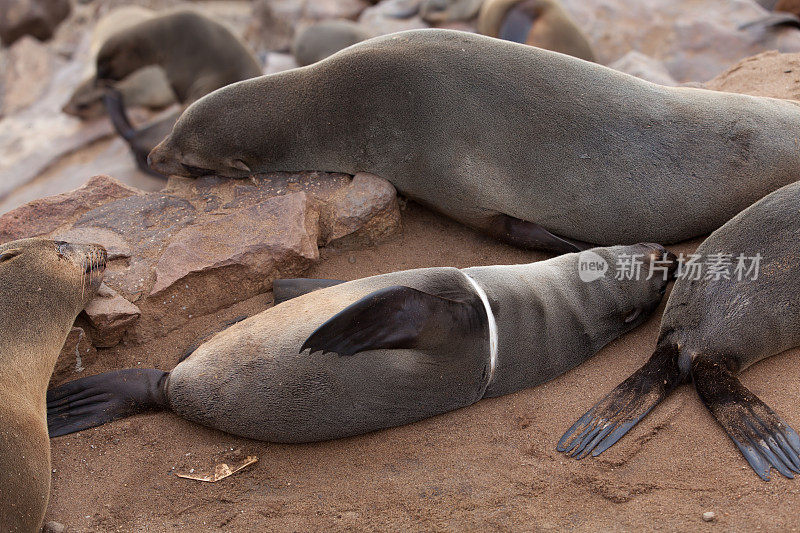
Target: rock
[(694, 39), (642, 66), (277, 62), (223, 260), (110, 316), (54, 527), (45, 215), (382, 18), (788, 6), (769, 74), (38, 18), (26, 71), (709, 516), (364, 212), (77, 353)]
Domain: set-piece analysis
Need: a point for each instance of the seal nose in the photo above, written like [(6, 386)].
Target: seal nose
[(664, 256)]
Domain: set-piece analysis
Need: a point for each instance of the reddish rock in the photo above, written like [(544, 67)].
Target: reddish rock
[(38, 18), (46, 215), (364, 212), (644, 67), (769, 74), (77, 353), (222, 260), (110, 316)]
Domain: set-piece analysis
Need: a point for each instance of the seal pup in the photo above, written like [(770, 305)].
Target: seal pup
[(711, 330), (43, 286), (146, 87), (197, 54), (610, 159), (318, 41), (542, 23), (382, 351)]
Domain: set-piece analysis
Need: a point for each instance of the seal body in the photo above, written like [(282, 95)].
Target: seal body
[(382, 351), (43, 286), (716, 325), (597, 156), (542, 23), (318, 41)]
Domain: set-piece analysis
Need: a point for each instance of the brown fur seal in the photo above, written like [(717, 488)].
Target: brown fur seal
[(318, 41), (197, 54), (712, 329), (43, 286), (542, 23), (609, 159), (443, 11), (146, 87), (382, 351)]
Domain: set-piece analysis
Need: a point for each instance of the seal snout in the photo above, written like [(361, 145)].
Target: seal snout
[(663, 256)]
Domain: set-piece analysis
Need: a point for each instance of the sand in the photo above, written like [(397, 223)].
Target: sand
[(490, 466)]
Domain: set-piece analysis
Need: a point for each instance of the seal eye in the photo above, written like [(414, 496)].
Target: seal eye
[(9, 254)]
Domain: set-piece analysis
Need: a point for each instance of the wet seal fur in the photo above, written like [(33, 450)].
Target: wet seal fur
[(608, 159), (542, 23), (380, 351), (43, 286), (713, 329), (197, 54)]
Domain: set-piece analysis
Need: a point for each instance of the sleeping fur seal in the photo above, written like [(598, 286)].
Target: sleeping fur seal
[(43, 286), (542, 23), (537, 148), (197, 54), (711, 330), (381, 351)]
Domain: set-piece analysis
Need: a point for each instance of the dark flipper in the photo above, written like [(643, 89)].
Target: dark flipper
[(286, 289), (398, 317), (605, 423), (196, 344), (762, 436), (516, 25), (772, 20), (95, 400), (140, 142), (532, 236)]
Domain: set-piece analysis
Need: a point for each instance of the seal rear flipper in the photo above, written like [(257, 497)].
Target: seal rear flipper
[(613, 416), (518, 232), (286, 289), (95, 400), (397, 317), (761, 435)]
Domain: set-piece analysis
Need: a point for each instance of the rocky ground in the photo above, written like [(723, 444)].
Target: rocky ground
[(188, 256)]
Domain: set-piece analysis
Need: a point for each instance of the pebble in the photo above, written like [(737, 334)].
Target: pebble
[(709, 516), (54, 527)]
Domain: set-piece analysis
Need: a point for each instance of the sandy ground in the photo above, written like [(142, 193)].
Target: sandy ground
[(490, 466)]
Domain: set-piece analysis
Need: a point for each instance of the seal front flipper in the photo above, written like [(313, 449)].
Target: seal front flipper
[(613, 416), (524, 234), (95, 400), (761, 435), (398, 317), (135, 139), (116, 112), (286, 289), (771, 20), (516, 25)]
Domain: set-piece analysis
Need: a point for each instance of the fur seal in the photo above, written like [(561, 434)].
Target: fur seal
[(43, 286), (610, 159), (318, 41), (444, 11), (146, 87), (381, 351), (711, 330), (542, 23), (197, 55)]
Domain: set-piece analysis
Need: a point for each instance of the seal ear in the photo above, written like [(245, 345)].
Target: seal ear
[(394, 318)]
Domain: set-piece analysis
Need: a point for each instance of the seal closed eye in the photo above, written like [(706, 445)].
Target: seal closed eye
[(711, 330)]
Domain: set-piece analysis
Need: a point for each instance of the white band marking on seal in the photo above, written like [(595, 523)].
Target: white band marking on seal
[(493, 338)]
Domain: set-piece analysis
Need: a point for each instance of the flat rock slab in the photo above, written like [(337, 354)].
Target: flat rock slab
[(203, 245)]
